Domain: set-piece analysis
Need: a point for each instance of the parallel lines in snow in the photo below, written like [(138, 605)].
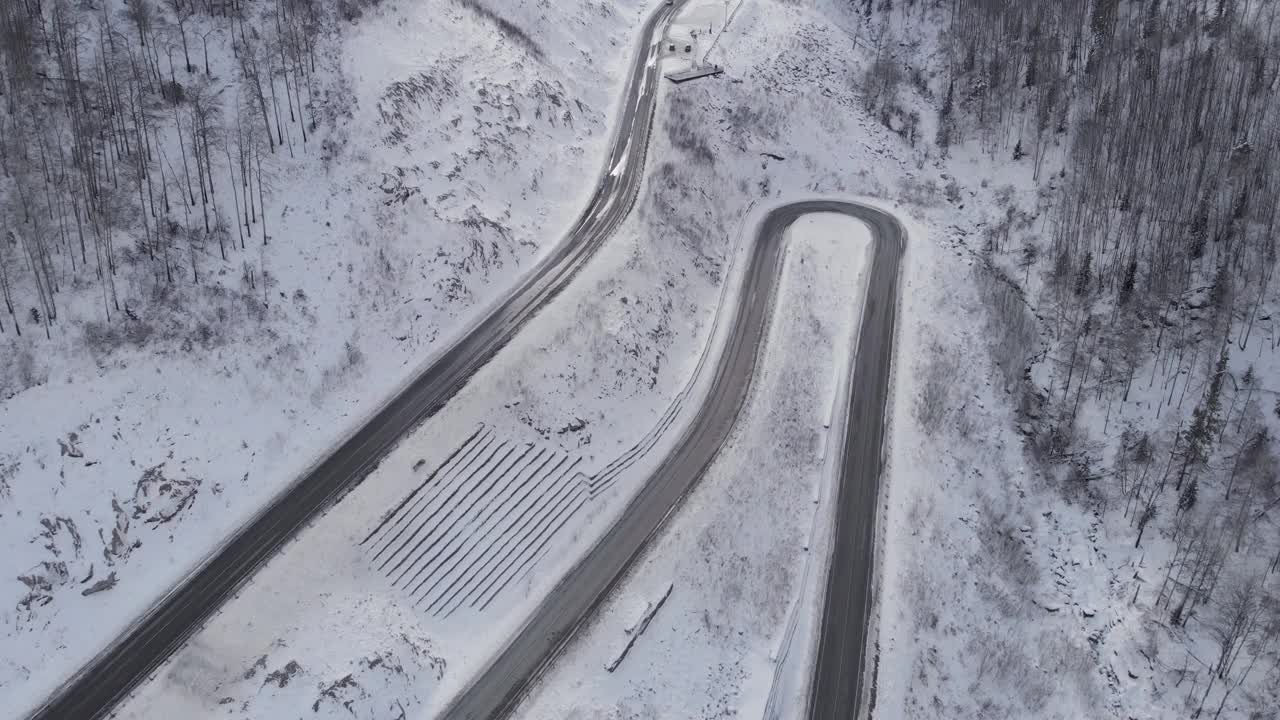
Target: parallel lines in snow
[(507, 457), (519, 542), (601, 481), (541, 535), (469, 551), (411, 496), (407, 517), (480, 519), (486, 517)]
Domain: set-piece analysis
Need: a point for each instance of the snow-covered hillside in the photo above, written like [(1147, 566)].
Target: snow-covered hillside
[(722, 148), (449, 145), (1010, 584), (724, 578), (588, 378), (1028, 567)]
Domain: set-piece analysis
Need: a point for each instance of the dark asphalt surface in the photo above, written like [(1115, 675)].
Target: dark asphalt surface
[(501, 685), (112, 674), (836, 691)]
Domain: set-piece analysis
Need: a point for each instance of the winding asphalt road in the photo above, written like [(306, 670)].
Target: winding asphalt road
[(109, 676), (836, 689)]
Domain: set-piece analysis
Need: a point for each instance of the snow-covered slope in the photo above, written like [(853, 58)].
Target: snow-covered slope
[(588, 378), (720, 583), (1005, 590), (454, 153)]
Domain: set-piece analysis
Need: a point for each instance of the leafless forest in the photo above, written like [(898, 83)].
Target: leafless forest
[(137, 145), (1145, 268), (1131, 304)]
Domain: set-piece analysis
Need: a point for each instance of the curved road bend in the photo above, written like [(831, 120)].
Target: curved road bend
[(836, 688), (152, 638), (501, 685)]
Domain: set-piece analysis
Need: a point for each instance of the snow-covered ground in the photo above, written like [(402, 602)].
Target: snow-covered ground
[(603, 364), (455, 155), (1012, 584), (997, 597), (785, 93), (589, 377), (960, 633), (735, 555)]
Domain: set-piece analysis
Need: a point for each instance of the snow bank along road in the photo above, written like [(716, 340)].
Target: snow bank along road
[(114, 672), (837, 682)]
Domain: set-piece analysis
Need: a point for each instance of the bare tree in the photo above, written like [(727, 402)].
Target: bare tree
[(182, 11), (1234, 621)]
